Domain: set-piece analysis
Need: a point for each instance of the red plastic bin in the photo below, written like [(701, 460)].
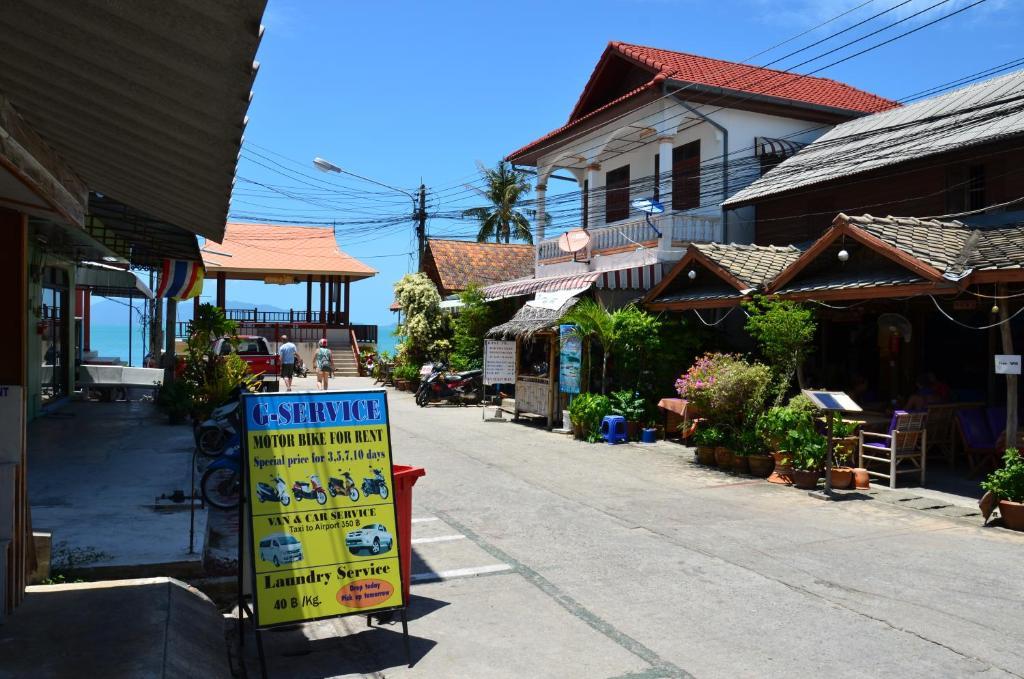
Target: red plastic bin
[(405, 479)]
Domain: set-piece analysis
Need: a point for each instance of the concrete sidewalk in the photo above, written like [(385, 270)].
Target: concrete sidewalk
[(151, 628), (95, 472)]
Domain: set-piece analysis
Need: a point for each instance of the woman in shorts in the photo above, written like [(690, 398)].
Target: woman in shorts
[(324, 362)]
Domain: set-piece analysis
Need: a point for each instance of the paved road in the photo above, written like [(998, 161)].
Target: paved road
[(538, 556)]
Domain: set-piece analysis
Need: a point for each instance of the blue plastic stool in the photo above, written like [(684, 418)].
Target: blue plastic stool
[(613, 429)]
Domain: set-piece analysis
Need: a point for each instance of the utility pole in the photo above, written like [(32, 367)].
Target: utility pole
[(421, 224)]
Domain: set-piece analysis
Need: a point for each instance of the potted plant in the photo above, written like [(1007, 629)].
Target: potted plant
[(1007, 485), (774, 427), (808, 454), (632, 407), (403, 374), (707, 438), (176, 400), (586, 412), (723, 451), (841, 473), (747, 453)]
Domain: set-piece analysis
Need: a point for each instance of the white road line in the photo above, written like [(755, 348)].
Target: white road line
[(424, 519), (431, 576), (440, 538)]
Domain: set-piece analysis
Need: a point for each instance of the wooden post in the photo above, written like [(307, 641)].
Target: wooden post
[(221, 290), (323, 299), (172, 321), (309, 298), (330, 299), (347, 317), (552, 378), (195, 307), (1011, 380)]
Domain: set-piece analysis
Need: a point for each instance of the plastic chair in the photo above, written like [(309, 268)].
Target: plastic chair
[(978, 440), (902, 449), (613, 429)]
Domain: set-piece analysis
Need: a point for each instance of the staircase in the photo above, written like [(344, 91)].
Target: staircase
[(344, 362)]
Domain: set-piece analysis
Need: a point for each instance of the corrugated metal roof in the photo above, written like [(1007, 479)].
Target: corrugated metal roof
[(978, 114), (146, 101)]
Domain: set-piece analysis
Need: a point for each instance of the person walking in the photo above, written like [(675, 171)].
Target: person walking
[(286, 350), (324, 362)]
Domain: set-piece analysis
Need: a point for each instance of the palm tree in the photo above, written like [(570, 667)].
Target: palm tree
[(594, 324), (503, 187)]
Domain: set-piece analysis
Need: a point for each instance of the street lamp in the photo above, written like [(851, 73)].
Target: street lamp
[(419, 214)]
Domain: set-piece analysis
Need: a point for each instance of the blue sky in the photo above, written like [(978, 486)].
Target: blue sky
[(403, 91)]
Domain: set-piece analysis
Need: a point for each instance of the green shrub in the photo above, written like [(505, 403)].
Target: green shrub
[(708, 436), (629, 404), (1007, 483), (587, 410)]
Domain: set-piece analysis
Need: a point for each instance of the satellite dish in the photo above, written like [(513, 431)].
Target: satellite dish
[(896, 323), (573, 241), (648, 205)]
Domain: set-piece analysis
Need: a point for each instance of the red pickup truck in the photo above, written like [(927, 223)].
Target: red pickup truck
[(256, 352)]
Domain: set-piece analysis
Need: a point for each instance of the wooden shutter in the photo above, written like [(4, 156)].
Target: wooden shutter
[(616, 187), (686, 176)]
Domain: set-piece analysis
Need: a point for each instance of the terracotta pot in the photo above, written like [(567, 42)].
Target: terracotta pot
[(706, 455), (783, 472), (740, 464), (1012, 513), (723, 457), (805, 480), (577, 431), (861, 480), (841, 477), (761, 465)]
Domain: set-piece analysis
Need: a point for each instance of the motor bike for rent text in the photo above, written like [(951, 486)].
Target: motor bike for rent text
[(268, 493), (376, 485), (221, 484), (310, 491), (453, 387), (343, 486)]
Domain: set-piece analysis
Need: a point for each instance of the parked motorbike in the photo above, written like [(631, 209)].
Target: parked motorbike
[(453, 387), (267, 493), (343, 486), (299, 367), (221, 484), (309, 491), (376, 485), (216, 433)]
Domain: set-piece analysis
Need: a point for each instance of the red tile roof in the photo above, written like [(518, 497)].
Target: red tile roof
[(460, 263), (741, 78), (253, 250)]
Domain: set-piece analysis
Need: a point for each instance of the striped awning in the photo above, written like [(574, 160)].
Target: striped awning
[(771, 146), (634, 278), (528, 286), (631, 278)]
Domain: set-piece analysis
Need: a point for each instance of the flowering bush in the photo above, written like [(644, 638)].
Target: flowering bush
[(726, 389)]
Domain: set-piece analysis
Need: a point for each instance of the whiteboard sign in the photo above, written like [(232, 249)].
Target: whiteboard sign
[(1008, 364), (835, 401), (499, 361)]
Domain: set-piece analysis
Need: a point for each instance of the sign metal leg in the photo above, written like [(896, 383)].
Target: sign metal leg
[(405, 637)]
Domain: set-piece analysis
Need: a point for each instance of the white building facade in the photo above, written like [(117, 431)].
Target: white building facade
[(683, 130)]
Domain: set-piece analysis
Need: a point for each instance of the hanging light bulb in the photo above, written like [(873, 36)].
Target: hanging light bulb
[(995, 308), (843, 255), (692, 274)]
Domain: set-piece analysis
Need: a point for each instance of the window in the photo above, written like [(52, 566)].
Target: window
[(686, 176), (657, 176), (616, 187), (965, 188)]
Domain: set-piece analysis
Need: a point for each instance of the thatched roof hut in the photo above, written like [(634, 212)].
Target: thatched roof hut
[(530, 320)]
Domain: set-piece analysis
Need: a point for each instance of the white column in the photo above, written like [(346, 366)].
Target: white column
[(665, 166), (540, 222), (594, 210)]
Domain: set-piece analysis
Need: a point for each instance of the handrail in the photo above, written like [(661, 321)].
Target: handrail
[(355, 350)]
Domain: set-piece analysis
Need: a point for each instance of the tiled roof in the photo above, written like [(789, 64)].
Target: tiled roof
[(754, 265), (255, 249), (849, 280), (460, 263), (974, 115), (949, 246), (717, 73)]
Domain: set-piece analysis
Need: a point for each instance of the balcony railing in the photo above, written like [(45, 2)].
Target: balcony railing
[(681, 228)]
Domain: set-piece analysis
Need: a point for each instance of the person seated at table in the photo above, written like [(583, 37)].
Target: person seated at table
[(930, 390)]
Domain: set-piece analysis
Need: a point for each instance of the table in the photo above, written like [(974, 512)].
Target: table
[(677, 411)]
